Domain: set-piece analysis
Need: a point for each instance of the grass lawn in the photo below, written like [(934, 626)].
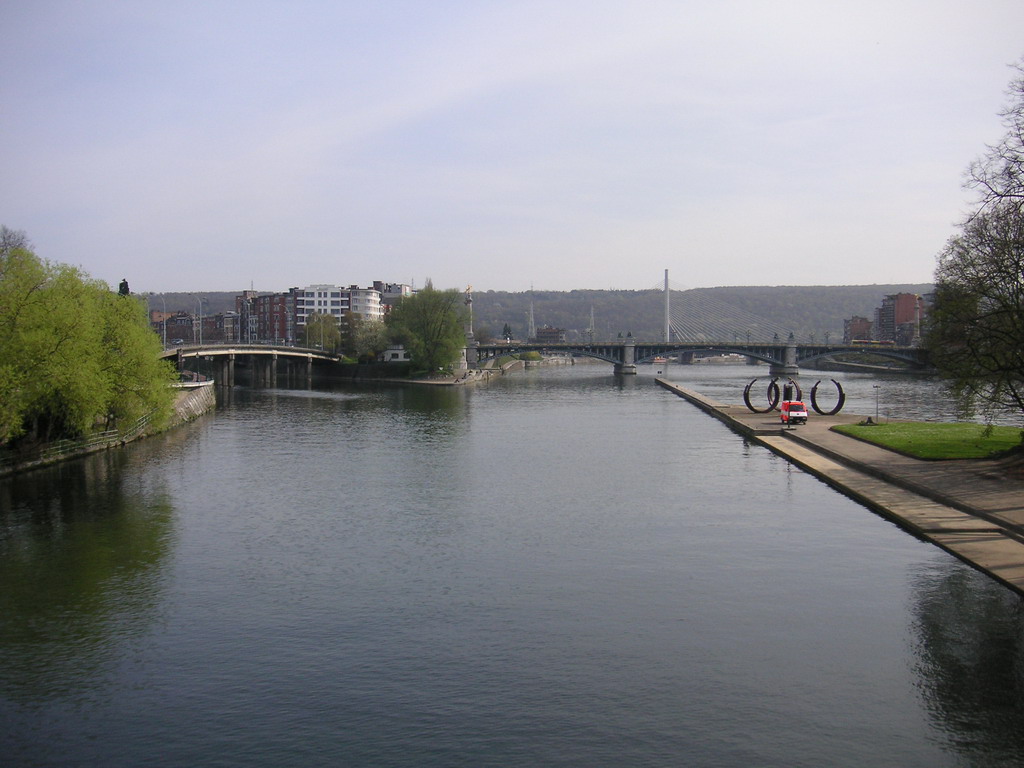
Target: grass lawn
[(927, 440)]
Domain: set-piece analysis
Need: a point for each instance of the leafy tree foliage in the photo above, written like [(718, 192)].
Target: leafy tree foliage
[(431, 325), (483, 334), (130, 359), (976, 329), (73, 355), (368, 338), (322, 331)]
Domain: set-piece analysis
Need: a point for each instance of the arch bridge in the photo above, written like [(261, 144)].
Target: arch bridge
[(266, 362), (624, 354)]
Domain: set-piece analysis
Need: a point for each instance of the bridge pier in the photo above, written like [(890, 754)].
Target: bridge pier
[(260, 372), (226, 371), (789, 365), (628, 365)]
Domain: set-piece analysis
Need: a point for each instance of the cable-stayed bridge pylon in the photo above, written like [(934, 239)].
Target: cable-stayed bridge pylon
[(695, 317)]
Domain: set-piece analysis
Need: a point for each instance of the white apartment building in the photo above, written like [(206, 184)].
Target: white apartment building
[(337, 301), (319, 300), (365, 302)]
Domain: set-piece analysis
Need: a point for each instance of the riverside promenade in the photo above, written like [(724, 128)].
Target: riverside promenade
[(974, 509)]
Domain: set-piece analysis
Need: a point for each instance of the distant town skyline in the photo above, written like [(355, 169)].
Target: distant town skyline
[(559, 146)]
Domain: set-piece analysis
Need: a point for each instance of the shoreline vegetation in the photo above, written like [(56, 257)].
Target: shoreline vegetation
[(930, 441), (193, 400), (190, 402)]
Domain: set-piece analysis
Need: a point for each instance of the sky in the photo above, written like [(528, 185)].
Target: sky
[(553, 145)]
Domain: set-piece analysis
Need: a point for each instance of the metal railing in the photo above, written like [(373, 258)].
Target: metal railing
[(59, 449)]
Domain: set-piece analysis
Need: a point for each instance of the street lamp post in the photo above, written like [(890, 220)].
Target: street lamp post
[(876, 387), (199, 306)]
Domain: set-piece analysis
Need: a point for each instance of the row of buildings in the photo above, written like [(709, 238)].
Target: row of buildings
[(278, 318), (897, 321)]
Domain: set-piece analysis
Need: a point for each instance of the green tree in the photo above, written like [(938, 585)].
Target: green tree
[(483, 334), (369, 338), (73, 355), (431, 325), (23, 280), (975, 333), (130, 361), (322, 331)]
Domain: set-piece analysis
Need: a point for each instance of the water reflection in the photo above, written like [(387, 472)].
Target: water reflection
[(431, 411), (430, 414), (970, 663), (511, 574), (81, 556)]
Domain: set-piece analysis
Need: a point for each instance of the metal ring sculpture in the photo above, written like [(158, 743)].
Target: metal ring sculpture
[(773, 396), (839, 404)]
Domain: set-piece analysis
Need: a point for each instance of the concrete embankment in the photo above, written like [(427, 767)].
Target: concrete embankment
[(972, 509), (193, 401)]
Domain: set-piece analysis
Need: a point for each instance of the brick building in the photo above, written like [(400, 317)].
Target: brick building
[(549, 335), (899, 319), (281, 317), (857, 328)]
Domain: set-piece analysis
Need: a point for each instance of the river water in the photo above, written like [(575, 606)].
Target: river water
[(558, 568)]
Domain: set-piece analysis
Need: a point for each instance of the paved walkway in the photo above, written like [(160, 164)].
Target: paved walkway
[(973, 509)]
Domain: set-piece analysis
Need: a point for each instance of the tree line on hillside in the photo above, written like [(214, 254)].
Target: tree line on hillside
[(807, 311)]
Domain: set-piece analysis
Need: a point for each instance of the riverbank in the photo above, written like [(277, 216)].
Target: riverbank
[(192, 401), (974, 509)]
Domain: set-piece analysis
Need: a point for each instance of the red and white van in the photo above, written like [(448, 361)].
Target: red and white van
[(793, 412)]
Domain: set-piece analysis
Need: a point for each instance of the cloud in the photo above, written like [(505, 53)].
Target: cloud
[(566, 144)]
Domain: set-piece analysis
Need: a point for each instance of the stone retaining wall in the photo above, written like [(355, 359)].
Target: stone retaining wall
[(193, 401)]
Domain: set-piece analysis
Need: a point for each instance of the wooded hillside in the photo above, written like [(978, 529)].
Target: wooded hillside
[(804, 310)]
